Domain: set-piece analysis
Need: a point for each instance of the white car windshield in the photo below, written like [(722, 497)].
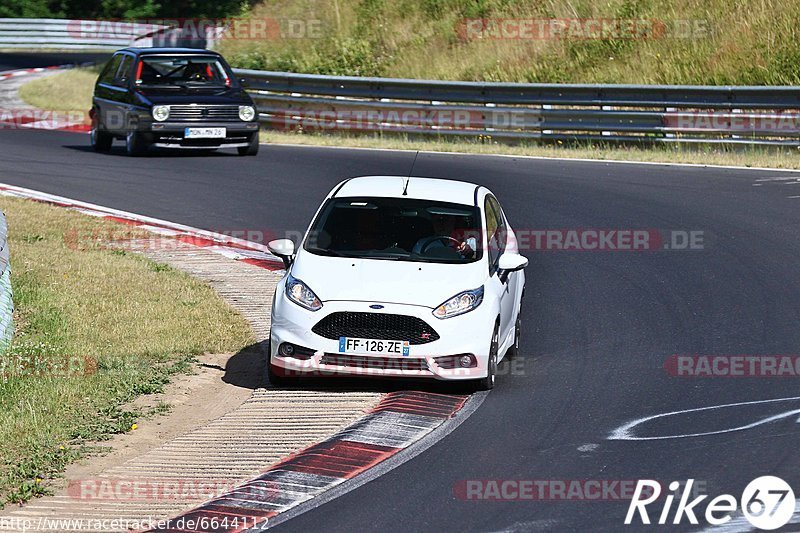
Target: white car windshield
[(398, 229)]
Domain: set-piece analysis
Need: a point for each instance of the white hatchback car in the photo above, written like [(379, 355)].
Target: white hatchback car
[(404, 277)]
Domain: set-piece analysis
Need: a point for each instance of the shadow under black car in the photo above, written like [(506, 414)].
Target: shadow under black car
[(117, 151)]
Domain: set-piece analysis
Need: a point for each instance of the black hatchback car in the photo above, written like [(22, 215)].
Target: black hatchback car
[(172, 98)]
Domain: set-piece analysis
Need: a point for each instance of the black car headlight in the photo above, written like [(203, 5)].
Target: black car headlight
[(161, 112), (247, 113)]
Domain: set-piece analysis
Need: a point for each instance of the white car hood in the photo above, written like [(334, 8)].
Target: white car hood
[(386, 281)]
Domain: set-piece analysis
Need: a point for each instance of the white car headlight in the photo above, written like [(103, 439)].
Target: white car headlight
[(461, 303), (161, 112), (247, 113), (299, 293)]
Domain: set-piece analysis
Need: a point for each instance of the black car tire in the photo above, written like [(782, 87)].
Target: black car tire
[(135, 144), (100, 140), (252, 146), (487, 383)]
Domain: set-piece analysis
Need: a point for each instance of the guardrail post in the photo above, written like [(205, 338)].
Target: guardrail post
[(6, 295)]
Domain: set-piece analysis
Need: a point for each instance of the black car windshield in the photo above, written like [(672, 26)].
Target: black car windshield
[(397, 229), (180, 71)]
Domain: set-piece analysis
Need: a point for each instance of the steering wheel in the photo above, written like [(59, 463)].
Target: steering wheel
[(443, 238)]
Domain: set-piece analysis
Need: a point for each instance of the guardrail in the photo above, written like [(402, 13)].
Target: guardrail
[(514, 111), (62, 34), (6, 296)]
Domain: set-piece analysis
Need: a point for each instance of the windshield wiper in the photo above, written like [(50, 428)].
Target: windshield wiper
[(325, 251), (389, 257)]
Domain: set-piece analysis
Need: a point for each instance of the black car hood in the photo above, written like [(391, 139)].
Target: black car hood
[(193, 96)]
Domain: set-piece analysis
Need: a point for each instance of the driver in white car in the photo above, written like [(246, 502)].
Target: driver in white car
[(444, 227)]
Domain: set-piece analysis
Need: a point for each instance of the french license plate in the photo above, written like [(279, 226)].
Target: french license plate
[(204, 133), (372, 346)]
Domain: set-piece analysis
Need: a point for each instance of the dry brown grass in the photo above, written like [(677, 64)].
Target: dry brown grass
[(748, 42)]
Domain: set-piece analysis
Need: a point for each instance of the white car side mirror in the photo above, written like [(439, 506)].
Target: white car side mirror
[(283, 248), (510, 262)]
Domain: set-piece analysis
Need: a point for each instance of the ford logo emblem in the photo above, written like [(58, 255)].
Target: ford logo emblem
[(376, 306)]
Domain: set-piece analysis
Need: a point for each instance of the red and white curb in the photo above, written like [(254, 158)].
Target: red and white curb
[(4, 75), (231, 247), (397, 422), (32, 118)]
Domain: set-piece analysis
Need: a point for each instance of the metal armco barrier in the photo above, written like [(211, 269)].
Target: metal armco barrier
[(62, 34), (514, 111), (6, 300)]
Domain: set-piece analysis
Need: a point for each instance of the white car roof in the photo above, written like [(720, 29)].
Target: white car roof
[(457, 192)]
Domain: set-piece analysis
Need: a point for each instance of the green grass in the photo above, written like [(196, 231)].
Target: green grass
[(122, 324)]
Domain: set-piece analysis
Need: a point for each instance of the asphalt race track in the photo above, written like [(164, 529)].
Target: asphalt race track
[(15, 60), (598, 326)]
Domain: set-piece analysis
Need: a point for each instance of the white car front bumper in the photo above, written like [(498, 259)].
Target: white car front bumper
[(469, 333)]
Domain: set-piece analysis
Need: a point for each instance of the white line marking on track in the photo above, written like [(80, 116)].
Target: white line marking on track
[(543, 158), (625, 432), (98, 210)]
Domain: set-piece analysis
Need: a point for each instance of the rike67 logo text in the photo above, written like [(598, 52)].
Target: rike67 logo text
[(767, 502)]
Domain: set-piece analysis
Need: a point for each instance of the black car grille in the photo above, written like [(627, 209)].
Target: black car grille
[(375, 326), (377, 363), (204, 113)]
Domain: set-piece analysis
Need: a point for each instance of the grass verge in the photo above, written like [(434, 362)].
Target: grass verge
[(70, 90), (746, 156), (95, 329)]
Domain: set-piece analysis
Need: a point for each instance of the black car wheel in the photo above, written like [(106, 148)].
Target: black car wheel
[(100, 140), (135, 144), (252, 146)]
